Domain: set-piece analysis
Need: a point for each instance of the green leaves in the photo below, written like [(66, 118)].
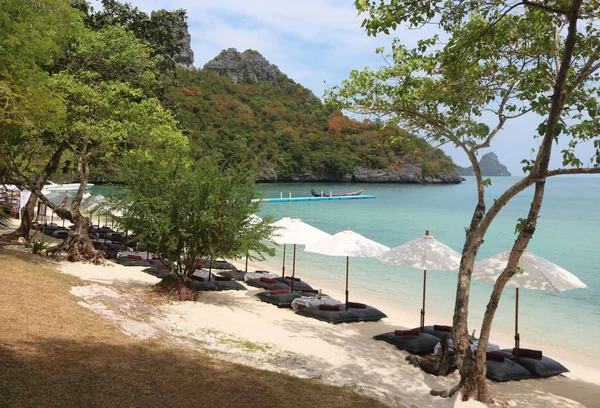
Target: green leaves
[(187, 213)]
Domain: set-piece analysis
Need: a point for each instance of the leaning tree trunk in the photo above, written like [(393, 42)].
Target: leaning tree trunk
[(25, 226), (79, 245), (473, 381)]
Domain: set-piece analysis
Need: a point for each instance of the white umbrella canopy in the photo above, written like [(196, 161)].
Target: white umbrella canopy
[(252, 219), (349, 244), (426, 253), (294, 231), (536, 273)]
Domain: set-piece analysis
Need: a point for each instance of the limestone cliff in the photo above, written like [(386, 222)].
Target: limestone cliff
[(246, 67), (490, 167)]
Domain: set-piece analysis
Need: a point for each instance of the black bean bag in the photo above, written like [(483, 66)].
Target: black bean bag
[(126, 261), (220, 264), (258, 283), (282, 300), (237, 275), (99, 246), (61, 234), (115, 236), (350, 315), (298, 284), (157, 261), (205, 286), (159, 273), (436, 330), (229, 285), (538, 367), (506, 370), (422, 343)]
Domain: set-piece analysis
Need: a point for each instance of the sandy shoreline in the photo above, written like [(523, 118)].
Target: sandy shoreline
[(238, 327)]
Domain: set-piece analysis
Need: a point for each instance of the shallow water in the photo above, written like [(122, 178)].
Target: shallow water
[(567, 235)]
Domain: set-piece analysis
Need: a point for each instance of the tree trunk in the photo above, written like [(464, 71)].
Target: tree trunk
[(79, 246), (25, 226), (473, 382)]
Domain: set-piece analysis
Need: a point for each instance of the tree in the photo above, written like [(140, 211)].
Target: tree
[(185, 213), (32, 37), (107, 87), (502, 60)]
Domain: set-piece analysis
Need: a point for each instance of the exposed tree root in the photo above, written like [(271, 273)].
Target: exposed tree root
[(174, 288)]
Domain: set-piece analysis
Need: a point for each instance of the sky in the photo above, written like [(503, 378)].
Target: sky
[(318, 43)]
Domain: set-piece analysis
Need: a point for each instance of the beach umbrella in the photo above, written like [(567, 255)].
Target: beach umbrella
[(252, 219), (535, 273), (425, 253), (349, 244), (294, 231)]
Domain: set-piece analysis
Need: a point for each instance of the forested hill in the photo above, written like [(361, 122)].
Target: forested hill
[(245, 109)]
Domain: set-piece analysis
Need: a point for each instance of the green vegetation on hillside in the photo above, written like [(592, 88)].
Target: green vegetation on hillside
[(286, 128)]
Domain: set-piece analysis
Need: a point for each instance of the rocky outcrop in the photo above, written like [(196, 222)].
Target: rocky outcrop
[(249, 67), (185, 58), (490, 167), (407, 174)]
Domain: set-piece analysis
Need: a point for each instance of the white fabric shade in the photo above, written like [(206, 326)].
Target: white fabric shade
[(423, 253), (347, 243), (538, 273), (294, 231)]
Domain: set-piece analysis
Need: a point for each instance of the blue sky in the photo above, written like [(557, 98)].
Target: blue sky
[(317, 43)]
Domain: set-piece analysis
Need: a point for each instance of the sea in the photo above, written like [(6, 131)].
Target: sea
[(568, 234)]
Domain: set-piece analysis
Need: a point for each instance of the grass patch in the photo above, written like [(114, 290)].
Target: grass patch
[(54, 352)]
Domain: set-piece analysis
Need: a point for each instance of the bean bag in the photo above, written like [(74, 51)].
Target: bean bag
[(282, 300), (158, 261), (220, 264), (158, 272), (205, 286), (351, 315), (412, 341), (229, 285), (437, 330), (62, 234), (237, 275), (298, 284), (505, 369), (538, 367), (258, 283), (128, 261)]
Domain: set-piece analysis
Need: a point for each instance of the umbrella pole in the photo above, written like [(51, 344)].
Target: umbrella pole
[(283, 267), (423, 308), (347, 262), (517, 337), (293, 268)]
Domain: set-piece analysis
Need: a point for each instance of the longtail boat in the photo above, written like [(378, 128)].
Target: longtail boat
[(350, 193)]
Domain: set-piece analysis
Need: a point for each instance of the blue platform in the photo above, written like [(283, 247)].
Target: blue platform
[(324, 198)]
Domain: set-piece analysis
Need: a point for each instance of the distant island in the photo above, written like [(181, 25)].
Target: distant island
[(243, 108), (490, 167)]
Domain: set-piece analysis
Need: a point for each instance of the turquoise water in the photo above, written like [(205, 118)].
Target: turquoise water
[(568, 234)]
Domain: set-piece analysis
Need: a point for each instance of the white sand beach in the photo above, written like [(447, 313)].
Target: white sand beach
[(238, 327)]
